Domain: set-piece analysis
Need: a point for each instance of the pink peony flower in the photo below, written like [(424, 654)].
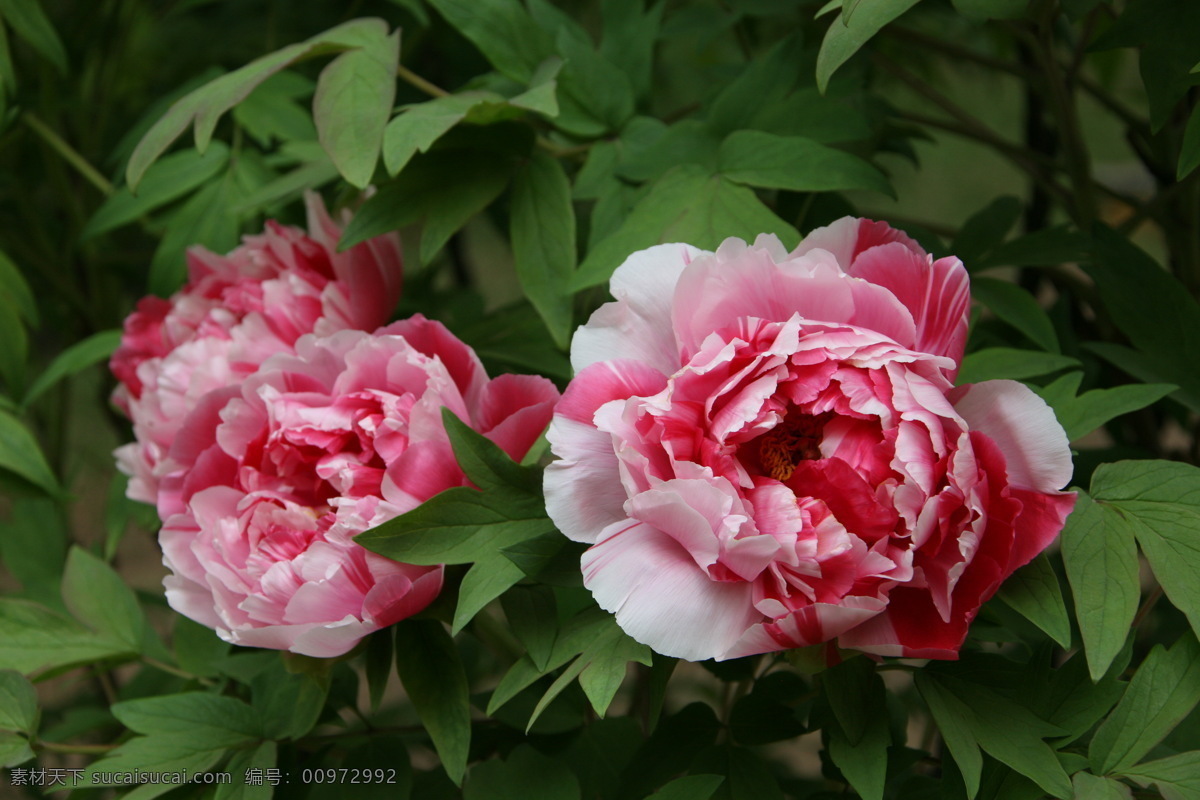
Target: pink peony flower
[(235, 312), (766, 451), (278, 475)]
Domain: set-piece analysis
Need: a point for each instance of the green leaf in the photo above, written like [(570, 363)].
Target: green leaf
[(747, 777), (33, 545), (432, 673), (461, 525), (971, 717), (1045, 247), (260, 758), (18, 703), (689, 787), (488, 578), (16, 345), (271, 112), (29, 22), (20, 453), (1017, 307), (177, 752), (670, 750), (171, 177), (14, 749), (628, 38), (550, 558), (417, 127), (574, 637), (1145, 368), (486, 464), (210, 720), (1189, 151), (203, 107), (525, 774), (1090, 787), (952, 721), (1034, 592), (1159, 501), (771, 712), (381, 751), (1100, 557), (600, 668), (689, 141), (1161, 30), (98, 597), (309, 175), (458, 526), (859, 740), (205, 219), (76, 358), (197, 648), (1163, 691), (796, 164), (442, 189), (380, 656), (532, 615), (766, 81), (594, 95), (543, 237), (846, 35), (685, 205), (1151, 307), (1177, 777), (14, 285), (994, 363), (606, 666), (8, 75), (542, 94), (983, 10), (852, 689), (985, 230), (352, 105), (503, 31), (1075, 703), (865, 763), (1082, 414), (289, 703)]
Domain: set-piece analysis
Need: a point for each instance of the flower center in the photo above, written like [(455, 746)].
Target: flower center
[(797, 438)]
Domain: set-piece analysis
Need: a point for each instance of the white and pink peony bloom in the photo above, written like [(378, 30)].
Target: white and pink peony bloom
[(236, 311), (277, 475), (766, 450)]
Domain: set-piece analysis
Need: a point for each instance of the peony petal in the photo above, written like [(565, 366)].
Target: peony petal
[(819, 622), (398, 597), (598, 384), (661, 598), (1025, 429), (638, 325), (514, 411), (849, 236), (936, 293), (583, 489)]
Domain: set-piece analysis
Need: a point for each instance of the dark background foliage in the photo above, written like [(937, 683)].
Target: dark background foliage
[(528, 148)]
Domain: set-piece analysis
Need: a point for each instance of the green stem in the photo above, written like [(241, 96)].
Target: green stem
[(959, 52), (69, 154), (1147, 604), (415, 80), (1062, 105), (1033, 164), (162, 666), (82, 749)]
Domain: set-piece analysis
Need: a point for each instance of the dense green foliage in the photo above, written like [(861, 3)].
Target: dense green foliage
[(523, 149)]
